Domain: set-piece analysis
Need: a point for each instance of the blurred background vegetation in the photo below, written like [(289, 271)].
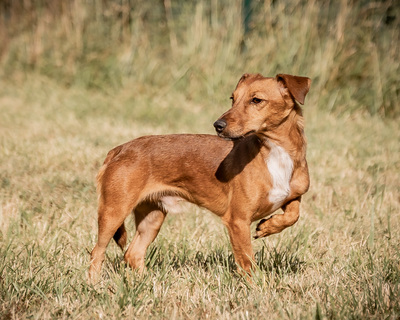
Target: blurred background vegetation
[(198, 49)]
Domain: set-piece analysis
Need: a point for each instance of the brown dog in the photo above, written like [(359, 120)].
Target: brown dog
[(258, 167)]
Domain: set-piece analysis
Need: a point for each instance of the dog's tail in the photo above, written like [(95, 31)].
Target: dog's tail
[(111, 155), (120, 235)]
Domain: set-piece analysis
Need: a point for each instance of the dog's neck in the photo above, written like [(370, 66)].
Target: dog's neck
[(289, 135)]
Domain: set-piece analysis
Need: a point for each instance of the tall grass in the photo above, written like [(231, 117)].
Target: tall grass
[(79, 77), (349, 48)]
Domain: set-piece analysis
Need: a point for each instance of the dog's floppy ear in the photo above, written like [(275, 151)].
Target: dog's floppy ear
[(297, 86)]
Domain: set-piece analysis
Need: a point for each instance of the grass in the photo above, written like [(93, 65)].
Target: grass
[(349, 48), (340, 260)]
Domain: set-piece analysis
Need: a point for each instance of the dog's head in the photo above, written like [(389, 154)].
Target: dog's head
[(260, 104)]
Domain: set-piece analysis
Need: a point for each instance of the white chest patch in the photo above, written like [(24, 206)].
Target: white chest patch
[(280, 167)]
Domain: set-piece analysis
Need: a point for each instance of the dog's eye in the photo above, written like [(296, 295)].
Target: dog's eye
[(256, 100)]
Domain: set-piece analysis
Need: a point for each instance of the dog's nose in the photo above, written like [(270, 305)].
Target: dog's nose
[(219, 125)]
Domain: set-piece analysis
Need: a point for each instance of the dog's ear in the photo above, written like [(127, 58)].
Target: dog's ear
[(249, 75), (243, 77), (297, 86)]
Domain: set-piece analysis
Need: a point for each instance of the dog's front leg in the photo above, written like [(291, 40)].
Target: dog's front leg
[(240, 236), (278, 222)]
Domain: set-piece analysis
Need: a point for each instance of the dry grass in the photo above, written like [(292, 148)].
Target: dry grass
[(340, 260), (350, 49)]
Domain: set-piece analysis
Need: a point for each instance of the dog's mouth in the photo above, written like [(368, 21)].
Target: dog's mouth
[(235, 137)]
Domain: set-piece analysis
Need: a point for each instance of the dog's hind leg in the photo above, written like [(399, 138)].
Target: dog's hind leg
[(148, 219), (110, 224), (278, 222), (120, 236)]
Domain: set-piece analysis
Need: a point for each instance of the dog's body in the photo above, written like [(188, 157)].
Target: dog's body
[(258, 167)]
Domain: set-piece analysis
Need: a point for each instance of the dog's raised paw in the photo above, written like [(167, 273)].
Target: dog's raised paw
[(260, 223), (262, 229)]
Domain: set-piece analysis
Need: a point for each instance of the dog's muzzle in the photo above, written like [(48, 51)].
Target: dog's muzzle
[(219, 125)]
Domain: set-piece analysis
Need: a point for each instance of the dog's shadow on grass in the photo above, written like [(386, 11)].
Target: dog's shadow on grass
[(279, 260)]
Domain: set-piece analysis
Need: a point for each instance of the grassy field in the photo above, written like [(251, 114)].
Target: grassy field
[(66, 98)]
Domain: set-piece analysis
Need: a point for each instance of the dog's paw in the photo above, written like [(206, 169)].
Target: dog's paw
[(263, 229)]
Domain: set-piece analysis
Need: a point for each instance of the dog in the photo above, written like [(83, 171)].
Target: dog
[(256, 165)]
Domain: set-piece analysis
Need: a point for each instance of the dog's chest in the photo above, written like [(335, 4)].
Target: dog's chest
[(280, 167)]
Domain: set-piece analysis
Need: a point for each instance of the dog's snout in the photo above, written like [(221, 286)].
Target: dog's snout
[(219, 125)]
